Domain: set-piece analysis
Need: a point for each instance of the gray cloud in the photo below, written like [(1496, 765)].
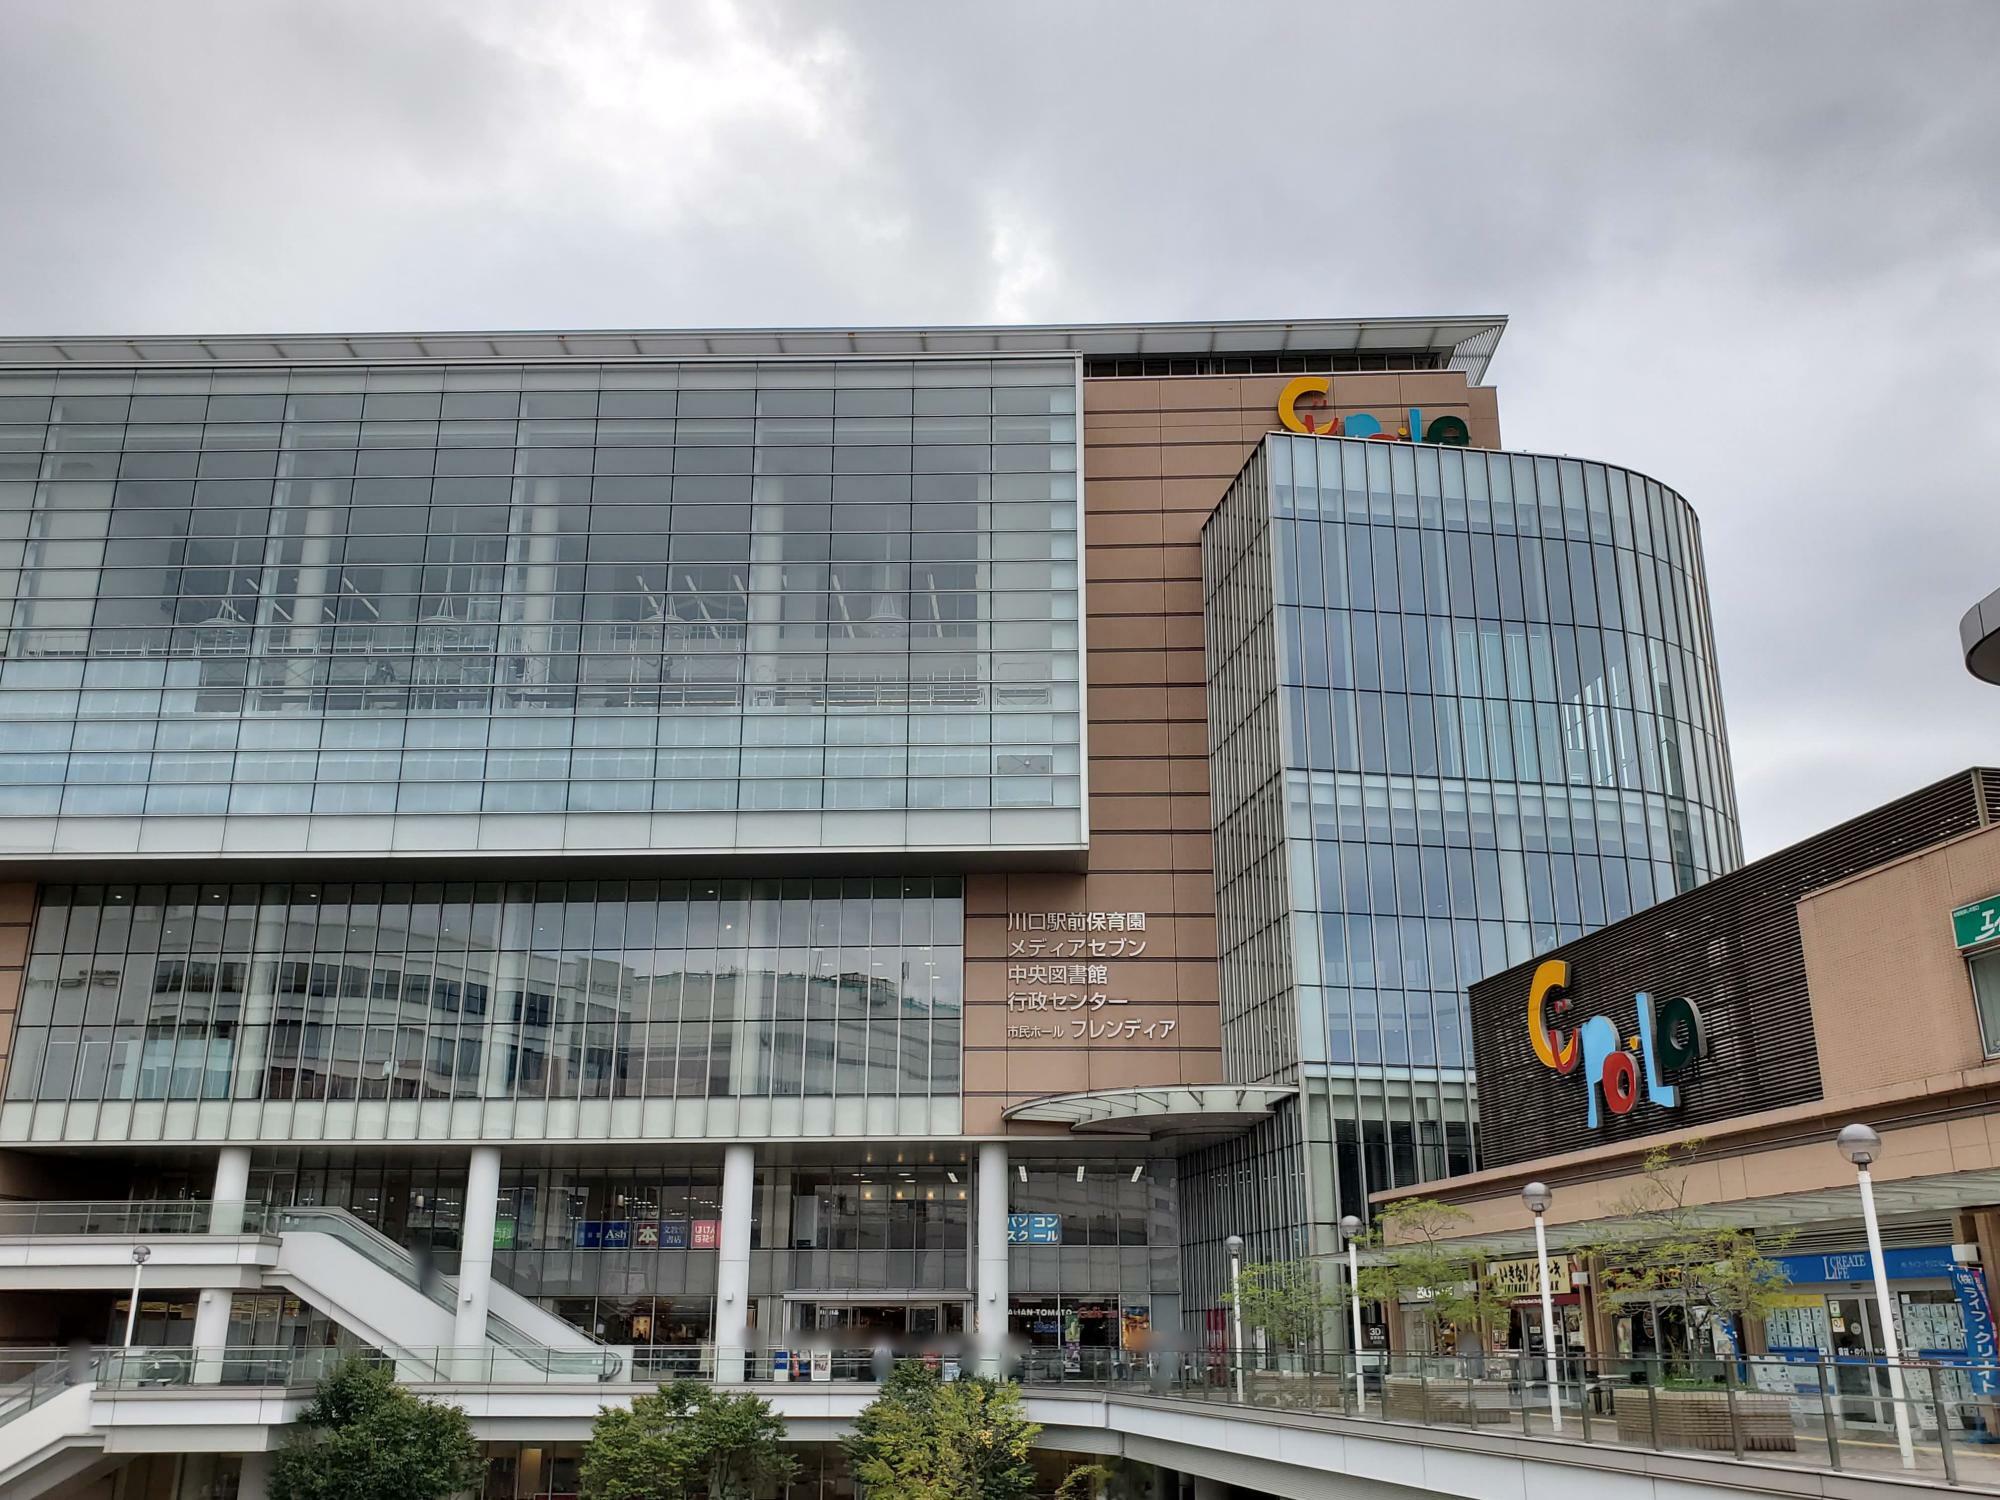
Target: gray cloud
[(1754, 250)]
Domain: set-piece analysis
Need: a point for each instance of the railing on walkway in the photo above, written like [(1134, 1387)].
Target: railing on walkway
[(295, 1368), (125, 1217), (1829, 1415)]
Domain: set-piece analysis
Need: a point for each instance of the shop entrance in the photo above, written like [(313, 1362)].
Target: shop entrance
[(866, 1323), (1861, 1389)]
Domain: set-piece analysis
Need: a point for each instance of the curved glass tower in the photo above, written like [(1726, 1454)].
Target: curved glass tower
[(1463, 707)]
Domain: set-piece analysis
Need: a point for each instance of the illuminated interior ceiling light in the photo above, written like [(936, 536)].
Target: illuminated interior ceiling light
[(1079, 1171), (1021, 1167), (1138, 1171)]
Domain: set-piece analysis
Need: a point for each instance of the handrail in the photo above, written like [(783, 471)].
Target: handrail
[(90, 1216), (49, 1379), (291, 1366)]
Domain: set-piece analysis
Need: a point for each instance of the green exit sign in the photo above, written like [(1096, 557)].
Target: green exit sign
[(1977, 923)]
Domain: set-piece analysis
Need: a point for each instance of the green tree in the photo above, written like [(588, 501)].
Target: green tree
[(686, 1437), (1286, 1299), (923, 1438), (1692, 1270), (364, 1437), (1417, 1265)]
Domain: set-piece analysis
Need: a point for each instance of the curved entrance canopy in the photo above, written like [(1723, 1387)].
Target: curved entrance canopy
[(1211, 1109)]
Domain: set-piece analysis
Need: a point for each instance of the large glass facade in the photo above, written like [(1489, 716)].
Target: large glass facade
[(1465, 707), (778, 603), (546, 992)]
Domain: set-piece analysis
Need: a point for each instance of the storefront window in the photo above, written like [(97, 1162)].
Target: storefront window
[(1985, 971), (1078, 1334)]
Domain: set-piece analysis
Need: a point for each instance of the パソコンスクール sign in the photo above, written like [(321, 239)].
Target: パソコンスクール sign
[(1667, 1044)]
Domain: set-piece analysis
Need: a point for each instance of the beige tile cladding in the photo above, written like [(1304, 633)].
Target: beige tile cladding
[(1891, 997), (1158, 454)]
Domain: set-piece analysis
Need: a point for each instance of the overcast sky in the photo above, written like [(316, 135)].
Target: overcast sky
[(1752, 249)]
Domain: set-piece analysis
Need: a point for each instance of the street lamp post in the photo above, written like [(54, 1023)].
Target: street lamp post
[(1350, 1230), (1538, 1198), (1863, 1146), (1234, 1245), (140, 1255)]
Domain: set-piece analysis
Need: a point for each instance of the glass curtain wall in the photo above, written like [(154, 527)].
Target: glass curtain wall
[(562, 589), (516, 990), (1466, 708), (1101, 1269)]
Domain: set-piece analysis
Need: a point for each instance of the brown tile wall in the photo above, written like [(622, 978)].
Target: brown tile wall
[(17, 914), (1158, 454), (1891, 998)]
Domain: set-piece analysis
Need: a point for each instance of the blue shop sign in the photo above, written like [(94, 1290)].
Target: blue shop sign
[(603, 1234), (1981, 1347), (673, 1234), (1034, 1229), (1855, 1265)]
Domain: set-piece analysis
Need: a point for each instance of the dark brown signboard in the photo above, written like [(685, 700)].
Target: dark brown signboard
[(1732, 947)]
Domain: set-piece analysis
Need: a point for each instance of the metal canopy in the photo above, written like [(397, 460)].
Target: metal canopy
[(1213, 1109), (1467, 342), (1894, 1199)]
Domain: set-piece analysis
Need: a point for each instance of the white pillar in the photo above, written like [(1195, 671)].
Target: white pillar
[(232, 1186), (1885, 1312), (211, 1309), (990, 1316), (1548, 1328), (255, 1480), (475, 1256), (732, 1262)]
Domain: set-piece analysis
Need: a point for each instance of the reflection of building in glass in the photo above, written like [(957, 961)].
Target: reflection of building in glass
[(440, 991), (753, 589), (1465, 708)]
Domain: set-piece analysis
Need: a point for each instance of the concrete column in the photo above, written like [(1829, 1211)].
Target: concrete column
[(1209, 1489), (990, 1246), (211, 1311), (255, 1480), (475, 1256), (732, 1263), (232, 1186)]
